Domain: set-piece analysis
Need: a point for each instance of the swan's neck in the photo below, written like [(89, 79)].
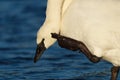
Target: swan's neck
[(66, 4)]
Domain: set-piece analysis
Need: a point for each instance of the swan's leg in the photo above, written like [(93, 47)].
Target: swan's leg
[(114, 72), (74, 45), (88, 54)]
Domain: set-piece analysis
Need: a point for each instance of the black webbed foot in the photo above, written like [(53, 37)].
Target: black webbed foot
[(74, 45), (66, 42)]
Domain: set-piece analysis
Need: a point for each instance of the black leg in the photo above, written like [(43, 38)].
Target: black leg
[(88, 54), (114, 72), (74, 45)]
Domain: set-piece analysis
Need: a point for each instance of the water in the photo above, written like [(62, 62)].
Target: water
[(19, 22)]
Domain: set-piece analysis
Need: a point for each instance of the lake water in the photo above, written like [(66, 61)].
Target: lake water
[(19, 22)]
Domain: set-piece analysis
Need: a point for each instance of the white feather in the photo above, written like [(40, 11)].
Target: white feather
[(94, 22)]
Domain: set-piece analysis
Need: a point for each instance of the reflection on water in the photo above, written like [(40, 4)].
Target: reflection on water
[(19, 22)]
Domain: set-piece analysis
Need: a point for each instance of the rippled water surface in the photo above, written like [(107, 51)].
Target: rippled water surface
[(19, 22)]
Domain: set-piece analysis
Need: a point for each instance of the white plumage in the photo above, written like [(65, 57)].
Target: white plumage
[(94, 22), (97, 24)]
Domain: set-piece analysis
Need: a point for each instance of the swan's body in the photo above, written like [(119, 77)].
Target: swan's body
[(94, 22), (97, 24)]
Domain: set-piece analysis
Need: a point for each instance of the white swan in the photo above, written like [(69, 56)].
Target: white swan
[(96, 23)]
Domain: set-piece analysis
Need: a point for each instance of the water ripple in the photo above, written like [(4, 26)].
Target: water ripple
[(19, 22)]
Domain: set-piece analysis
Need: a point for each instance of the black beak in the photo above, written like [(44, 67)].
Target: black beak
[(39, 51)]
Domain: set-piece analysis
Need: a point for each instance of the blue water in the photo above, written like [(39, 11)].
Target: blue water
[(19, 22)]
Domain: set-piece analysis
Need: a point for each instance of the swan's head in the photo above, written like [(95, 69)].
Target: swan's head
[(44, 41)]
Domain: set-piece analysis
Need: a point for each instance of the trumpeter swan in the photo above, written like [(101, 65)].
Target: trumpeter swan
[(91, 26)]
